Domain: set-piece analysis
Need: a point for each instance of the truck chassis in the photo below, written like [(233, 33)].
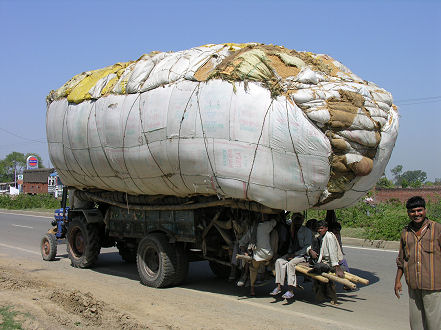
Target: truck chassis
[(161, 233)]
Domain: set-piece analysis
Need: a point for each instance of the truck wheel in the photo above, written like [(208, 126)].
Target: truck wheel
[(48, 247), (128, 254), (181, 265), (156, 260), (221, 271), (83, 243)]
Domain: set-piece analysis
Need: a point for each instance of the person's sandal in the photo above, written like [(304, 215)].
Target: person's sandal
[(288, 295), (275, 292)]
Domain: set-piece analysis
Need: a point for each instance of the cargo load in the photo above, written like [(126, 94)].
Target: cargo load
[(290, 130), (173, 157)]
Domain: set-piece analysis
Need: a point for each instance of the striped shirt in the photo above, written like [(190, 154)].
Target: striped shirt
[(420, 256)]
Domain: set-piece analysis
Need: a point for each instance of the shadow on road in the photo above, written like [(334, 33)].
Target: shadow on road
[(365, 274), (201, 278)]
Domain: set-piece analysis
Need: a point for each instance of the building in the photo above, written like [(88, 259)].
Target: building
[(55, 187), (36, 181), (5, 187)]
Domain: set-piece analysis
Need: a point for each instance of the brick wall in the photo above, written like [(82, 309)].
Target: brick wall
[(35, 188), (403, 194)]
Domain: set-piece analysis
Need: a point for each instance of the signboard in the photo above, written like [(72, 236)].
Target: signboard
[(31, 163)]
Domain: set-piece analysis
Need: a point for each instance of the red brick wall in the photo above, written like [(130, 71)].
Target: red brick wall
[(403, 194), (35, 188)]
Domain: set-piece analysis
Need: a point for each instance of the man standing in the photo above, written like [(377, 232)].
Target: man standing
[(419, 259), (301, 238)]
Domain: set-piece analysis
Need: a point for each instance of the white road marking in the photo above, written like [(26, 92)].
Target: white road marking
[(371, 249), (19, 248), (22, 226), (28, 215)]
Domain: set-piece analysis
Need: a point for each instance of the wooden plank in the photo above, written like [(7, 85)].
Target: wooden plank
[(304, 270)]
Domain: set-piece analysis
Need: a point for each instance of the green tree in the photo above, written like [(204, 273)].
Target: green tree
[(15, 163), (384, 182), (396, 172), (415, 178), (404, 183)]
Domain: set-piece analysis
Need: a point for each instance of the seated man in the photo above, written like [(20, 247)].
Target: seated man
[(300, 240), (257, 241), (330, 254)]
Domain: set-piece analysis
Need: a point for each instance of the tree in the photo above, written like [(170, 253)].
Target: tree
[(15, 163), (384, 182), (414, 178), (396, 172)]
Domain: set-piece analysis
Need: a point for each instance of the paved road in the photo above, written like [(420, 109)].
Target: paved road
[(371, 307)]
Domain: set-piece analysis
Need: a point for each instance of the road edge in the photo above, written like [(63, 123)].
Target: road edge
[(374, 244)]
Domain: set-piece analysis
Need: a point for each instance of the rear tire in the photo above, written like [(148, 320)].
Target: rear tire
[(48, 247), (156, 261), (128, 254), (83, 242)]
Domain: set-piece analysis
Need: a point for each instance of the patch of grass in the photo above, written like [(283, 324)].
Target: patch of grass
[(7, 321), (23, 201), (353, 232)]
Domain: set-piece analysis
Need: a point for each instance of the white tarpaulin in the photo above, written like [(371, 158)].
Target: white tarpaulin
[(290, 130)]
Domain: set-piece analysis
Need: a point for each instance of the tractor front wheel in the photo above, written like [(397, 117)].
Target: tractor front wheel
[(48, 247)]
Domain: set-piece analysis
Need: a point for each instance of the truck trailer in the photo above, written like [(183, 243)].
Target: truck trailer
[(171, 157)]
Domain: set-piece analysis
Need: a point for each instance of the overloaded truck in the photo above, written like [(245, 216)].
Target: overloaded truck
[(172, 156)]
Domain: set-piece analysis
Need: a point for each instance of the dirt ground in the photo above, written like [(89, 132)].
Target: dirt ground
[(39, 302), (54, 295)]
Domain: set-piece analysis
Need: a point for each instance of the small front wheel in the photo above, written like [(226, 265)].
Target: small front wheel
[(48, 247)]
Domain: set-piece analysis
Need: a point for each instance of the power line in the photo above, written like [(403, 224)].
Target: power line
[(419, 99), (405, 104), (21, 137), (16, 145)]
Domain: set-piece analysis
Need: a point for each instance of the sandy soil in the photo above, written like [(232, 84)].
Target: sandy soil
[(41, 303), (54, 295)]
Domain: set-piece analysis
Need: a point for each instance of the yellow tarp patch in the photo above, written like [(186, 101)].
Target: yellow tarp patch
[(67, 87), (81, 91)]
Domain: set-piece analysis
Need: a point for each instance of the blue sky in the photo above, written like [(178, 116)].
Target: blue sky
[(396, 44)]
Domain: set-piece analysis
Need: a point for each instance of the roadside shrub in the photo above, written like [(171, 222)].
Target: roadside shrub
[(434, 210), (383, 221), (22, 201)]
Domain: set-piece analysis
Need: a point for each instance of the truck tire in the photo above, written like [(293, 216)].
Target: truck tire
[(128, 254), (48, 247), (83, 242), (156, 261), (181, 265), (219, 270)]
